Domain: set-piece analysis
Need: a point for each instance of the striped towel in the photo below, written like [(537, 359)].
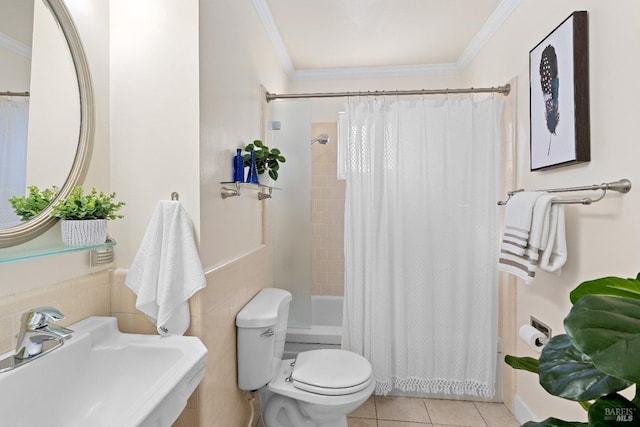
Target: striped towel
[(517, 221), (522, 245)]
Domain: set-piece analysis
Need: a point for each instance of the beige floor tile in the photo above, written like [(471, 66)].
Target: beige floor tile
[(454, 412), (366, 410), (496, 414), (401, 409), (387, 423), (361, 422)]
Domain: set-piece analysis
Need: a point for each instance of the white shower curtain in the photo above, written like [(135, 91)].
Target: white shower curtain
[(14, 117), (420, 242)]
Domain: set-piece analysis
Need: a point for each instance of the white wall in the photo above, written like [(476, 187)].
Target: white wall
[(236, 58), (154, 112), (601, 237)]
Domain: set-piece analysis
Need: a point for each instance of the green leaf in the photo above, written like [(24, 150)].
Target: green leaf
[(607, 329), (525, 363), (568, 373), (27, 207), (266, 159), (554, 422), (613, 410), (614, 286), (94, 205)]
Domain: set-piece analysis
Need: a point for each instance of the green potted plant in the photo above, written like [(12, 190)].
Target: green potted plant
[(598, 356), (84, 216), (267, 160), (26, 207)]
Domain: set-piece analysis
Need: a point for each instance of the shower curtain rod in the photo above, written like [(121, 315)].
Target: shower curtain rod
[(500, 89), (10, 93)]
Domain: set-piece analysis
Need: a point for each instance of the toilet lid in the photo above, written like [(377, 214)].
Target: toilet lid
[(331, 372)]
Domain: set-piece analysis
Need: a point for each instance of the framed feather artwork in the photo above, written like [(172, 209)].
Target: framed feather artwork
[(559, 95)]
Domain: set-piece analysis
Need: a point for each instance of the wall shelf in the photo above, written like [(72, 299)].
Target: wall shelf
[(33, 253), (264, 191)]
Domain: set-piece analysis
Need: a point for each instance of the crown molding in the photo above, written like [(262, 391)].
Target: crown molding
[(264, 13), (494, 22), (374, 72), (15, 46)]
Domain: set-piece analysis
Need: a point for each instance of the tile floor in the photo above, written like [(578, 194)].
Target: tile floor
[(390, 411)]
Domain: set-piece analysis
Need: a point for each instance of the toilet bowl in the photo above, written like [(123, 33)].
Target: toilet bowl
[(317, 389)]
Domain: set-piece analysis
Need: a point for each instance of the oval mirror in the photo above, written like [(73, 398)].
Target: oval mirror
[(46, 128)]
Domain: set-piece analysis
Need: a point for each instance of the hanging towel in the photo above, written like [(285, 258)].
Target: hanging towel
[(523, 230), (540, 227), (166, 270), (546, 246), (517, 221), (554, 253)]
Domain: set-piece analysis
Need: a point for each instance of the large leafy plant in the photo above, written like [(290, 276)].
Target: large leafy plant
[(36, 200), (267, 160), (597, 357), (93, 205)]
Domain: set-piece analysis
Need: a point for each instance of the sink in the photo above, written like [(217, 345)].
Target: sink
[(102, 377)]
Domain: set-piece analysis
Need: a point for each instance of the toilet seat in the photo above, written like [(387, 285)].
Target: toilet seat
[(331, 372)]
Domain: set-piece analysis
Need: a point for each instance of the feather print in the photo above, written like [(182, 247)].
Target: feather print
[(550, 84)]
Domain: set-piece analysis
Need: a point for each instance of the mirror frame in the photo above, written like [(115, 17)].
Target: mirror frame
[(43, 221)]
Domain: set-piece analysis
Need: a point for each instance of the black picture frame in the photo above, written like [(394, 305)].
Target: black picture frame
[(560, 132)]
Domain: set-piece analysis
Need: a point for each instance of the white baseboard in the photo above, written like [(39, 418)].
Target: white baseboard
[(522, 412)]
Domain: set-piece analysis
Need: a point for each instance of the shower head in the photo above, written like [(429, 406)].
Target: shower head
[(323, 138)]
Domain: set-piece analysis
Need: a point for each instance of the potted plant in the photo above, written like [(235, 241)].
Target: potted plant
[(267, 160), (84, 216), (26, 207), (598, 356)]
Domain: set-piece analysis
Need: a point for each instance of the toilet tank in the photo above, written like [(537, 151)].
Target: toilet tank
[(261, 329)]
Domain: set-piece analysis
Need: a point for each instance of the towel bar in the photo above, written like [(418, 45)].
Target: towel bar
[(620, 186)]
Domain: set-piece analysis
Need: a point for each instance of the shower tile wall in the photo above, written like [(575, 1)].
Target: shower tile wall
[(327, 215)]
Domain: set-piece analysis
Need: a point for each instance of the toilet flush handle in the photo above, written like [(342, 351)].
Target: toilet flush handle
[(268, 333)]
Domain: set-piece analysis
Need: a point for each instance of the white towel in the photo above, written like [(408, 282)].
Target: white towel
[(554, 253), (166, 270), (517, 221), (546, 245)]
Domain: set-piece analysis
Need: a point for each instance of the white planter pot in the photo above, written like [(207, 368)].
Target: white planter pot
[(87, 232)]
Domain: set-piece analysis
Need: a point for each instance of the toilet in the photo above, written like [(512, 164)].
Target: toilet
[(316, 389)]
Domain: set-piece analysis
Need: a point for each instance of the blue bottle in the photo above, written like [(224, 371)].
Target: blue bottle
[(252, 176), (238, 167)]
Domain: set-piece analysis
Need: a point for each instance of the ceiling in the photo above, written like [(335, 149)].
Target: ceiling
[(332, 38)]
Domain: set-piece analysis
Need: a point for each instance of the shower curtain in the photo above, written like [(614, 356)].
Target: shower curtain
[(14, 117), (420, 241)]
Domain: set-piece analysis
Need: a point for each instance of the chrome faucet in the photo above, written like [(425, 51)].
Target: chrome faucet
[(35, 330)]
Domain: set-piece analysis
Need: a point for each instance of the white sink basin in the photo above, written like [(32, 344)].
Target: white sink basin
[(104, 378)]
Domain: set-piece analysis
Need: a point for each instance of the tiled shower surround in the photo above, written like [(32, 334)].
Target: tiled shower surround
[(327, 215)]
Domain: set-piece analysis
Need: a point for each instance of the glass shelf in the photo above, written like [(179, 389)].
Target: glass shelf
[(33, 253), (250, 185), (232, 192)]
